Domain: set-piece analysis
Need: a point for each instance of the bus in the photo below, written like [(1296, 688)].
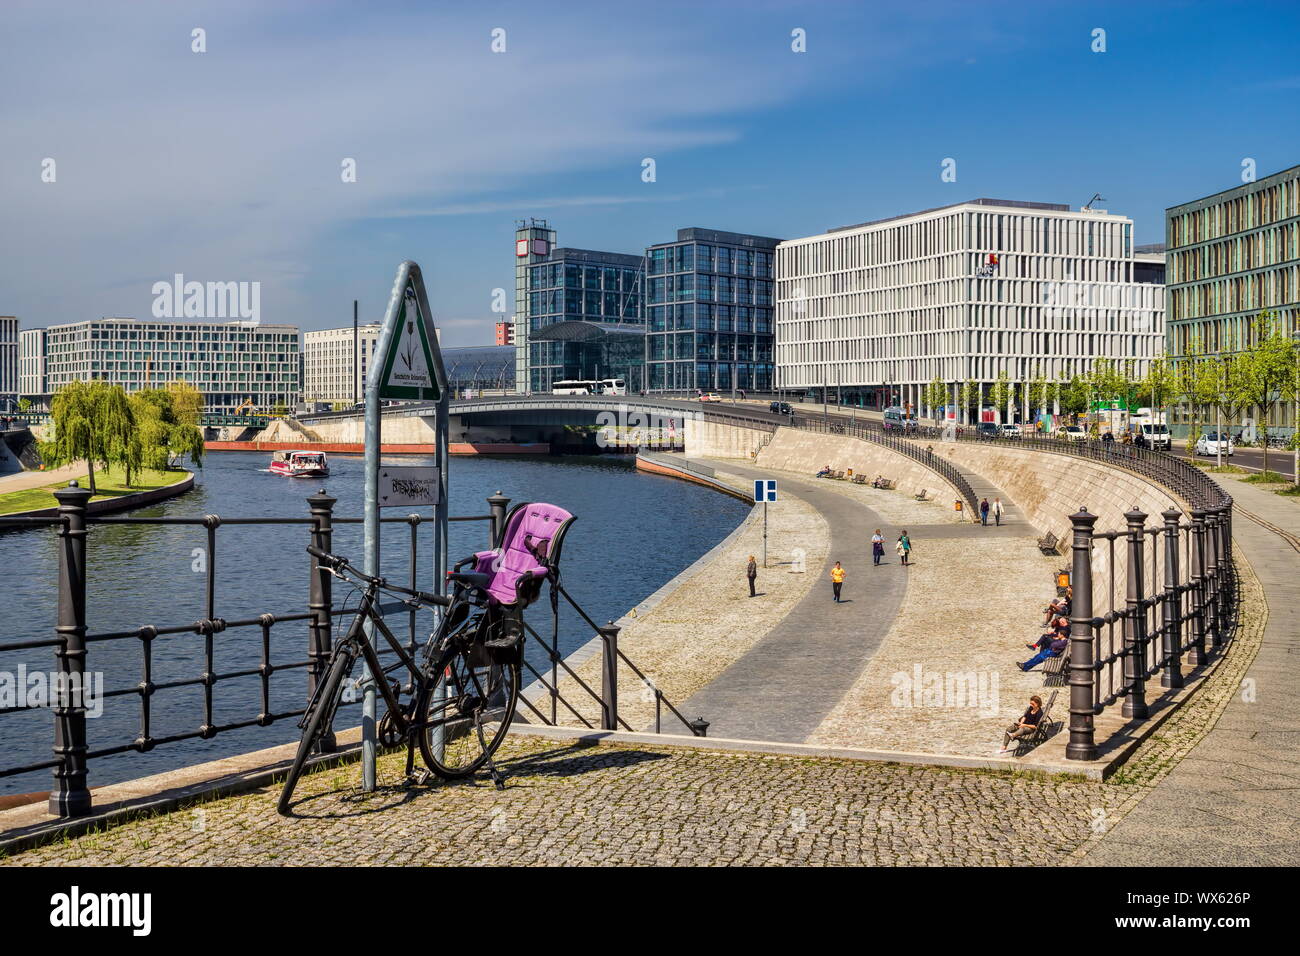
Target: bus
[(602, 386), (896, 417)]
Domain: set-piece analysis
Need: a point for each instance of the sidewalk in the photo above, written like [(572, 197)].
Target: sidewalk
[(26, 480), (1231, 801)]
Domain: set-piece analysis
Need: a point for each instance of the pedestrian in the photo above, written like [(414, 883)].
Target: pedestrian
[(900, 551), (751, 572), (984, 511), (837, 580), (1025, 726), (997, 511), (877, 547), (907, 547)]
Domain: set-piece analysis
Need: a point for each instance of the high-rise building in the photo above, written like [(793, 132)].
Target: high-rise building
[(8, 362), (32, 382), (506, 332), (578, 312), (333, 371), (709, 308), (873, 313), (233, 364), (1231, 256)]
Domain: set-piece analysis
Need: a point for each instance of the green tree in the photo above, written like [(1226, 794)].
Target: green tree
[(969, 396), (1160, 384), (936, 397), (24, 404), (1000, 394), (1040, 392), (1267, 370), (92, 423), (161, 432), (187, 402), (1073, 396)]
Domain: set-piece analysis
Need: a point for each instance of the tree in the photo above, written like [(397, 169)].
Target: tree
[(969, 396), (187, 402), (1040, 392), (1223, 387), (24, 404), (1267, 370), (1160, 384), (1073, 396), (1000, 394), (936, 397), (92, 423), (162, 435)]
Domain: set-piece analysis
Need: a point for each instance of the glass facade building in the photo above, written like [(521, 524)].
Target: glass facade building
[(558, 285), (709, 312)]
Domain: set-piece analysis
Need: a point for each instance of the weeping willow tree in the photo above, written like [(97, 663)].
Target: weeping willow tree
[(164, 431), (93, 422)]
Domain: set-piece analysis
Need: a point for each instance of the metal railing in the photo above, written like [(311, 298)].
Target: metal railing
[(74, 642)]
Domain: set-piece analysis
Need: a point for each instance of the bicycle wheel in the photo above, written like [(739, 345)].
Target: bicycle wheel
[(318, 721), (466, 712)]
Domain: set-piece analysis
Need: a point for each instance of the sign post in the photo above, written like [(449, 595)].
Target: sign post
[(764, 491), (407, 364)]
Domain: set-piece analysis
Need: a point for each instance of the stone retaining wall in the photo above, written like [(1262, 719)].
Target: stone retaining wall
[(808, 452)]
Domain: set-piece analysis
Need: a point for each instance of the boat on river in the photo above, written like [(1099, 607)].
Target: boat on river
[(300, 464)]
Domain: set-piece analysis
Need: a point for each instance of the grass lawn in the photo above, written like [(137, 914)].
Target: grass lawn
[(108, 484)]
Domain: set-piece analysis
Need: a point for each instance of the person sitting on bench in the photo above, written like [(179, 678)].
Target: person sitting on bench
[(878, 481), (1060, 628), (1055, 648), (1060, 607), (1025, 726), (825, 472)]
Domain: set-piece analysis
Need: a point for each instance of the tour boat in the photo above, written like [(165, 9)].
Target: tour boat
[(300, 464)]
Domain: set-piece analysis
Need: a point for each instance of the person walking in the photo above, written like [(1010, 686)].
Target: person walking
[(837, 580), (877, 547), (751, 572), (906, 542), (984, 511), (997, 511)]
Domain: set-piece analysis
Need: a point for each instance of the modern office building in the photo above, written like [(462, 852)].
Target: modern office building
[(334, 370), (578, 312), (872, 313), (481, 370), (8, 363), (709, 312), (234, 365), (32, 382)]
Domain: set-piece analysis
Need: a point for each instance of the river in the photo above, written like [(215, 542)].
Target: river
[(634, 532)]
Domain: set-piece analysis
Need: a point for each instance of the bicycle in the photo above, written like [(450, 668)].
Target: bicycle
[(463, 690)]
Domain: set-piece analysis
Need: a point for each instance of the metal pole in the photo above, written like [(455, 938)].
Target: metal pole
[(497, 505), (1196, 654), (319, 599), (70, 796), (1082, 745), (1172, 675), (1135, 636), (764, 535), (373, 437), (609, 677), (356, 354)]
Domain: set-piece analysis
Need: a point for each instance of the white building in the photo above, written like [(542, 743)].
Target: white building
[(236, 366), (875, 312), (31, 364), (8, 362), (331, 373)]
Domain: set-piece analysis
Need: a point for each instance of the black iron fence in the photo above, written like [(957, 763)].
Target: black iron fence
[(74, 642)]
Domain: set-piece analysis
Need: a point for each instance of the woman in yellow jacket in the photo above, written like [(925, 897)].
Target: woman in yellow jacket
[(837, 580)]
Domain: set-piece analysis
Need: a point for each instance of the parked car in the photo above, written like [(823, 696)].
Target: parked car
[(988, 430), (710, 397), (780, 408), (1212, 443), (1072, 433), (1007, 430)]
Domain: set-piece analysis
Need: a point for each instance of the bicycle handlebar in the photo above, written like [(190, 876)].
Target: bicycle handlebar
[(337, 562)]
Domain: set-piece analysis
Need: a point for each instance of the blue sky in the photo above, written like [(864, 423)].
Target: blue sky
[(225, 165)]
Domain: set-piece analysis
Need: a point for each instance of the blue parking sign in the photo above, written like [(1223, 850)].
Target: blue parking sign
[(764, 489)]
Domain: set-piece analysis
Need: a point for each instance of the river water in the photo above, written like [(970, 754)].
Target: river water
[(634, 532)]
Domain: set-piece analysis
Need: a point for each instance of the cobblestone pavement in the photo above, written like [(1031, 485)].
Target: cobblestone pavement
[(580, 806)]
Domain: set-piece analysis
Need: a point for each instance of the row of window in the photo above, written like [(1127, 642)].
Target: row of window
[(1261, 204), (693, 286), (1242, 293), (1237, 254), (697, 257)]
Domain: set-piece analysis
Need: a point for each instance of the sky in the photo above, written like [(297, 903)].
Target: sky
[(227, 165)]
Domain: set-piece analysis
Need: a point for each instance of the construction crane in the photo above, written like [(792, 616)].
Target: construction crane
[(1096, 197)]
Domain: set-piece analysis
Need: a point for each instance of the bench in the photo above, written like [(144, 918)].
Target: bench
[(883, 482), (838, 476), (1048, 543), (920, 496), (859, 479), (1042, 732), (1055, 671)]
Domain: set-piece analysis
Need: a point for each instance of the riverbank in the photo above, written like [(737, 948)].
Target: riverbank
[(112, 491), (387, 448)]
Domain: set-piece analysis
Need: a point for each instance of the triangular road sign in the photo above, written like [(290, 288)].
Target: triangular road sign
[(409, 368)]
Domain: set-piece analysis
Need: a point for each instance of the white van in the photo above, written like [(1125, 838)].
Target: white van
[(1156, 435)]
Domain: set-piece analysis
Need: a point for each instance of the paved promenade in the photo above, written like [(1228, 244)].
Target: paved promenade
[(1232, 800)]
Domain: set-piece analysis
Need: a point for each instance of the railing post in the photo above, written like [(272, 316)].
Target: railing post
[(1196, 578), (1172, 675), (609, 677), (1213, 625), (497, 505), (1229, 569), (320, 601), (1082, 745), (1135, 620), (70, 796)]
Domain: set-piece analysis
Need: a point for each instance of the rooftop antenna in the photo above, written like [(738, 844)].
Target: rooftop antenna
[(1096, 197)]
